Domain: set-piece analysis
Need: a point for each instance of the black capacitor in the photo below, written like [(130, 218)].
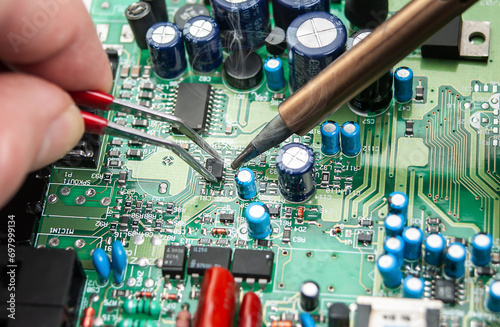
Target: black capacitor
[(243, 70), (377, 97), (159, 8), (366, 13), (140, 18), (338, 315), (186, 12), (276, 41), (309, 296)]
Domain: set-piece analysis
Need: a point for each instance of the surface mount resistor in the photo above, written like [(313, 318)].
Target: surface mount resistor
[(219, 232)]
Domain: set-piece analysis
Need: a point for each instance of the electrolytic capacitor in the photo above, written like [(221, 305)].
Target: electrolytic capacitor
[(398, 204), (244, 24), (140, 18), (285, 11), (435, 245), (314, 40), (118, 261), (481, 249), (350, 138), (102, 265), (366, 13), (159, 9), (403, 84), (275, 75), (413, 287), (250, 314), (245, 184), (243, 69), (306, 320), (296, 179), (276, 41), (412, 238), (376, 98), (203, 43), (454, 261), (394, 225), (217, 301), (395, 246), (388, 267), (309, 296), (259, 220), (330, 138), (166, 47), (493, 297)]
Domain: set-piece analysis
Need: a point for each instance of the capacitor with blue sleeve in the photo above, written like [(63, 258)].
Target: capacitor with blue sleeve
[(394, 224), (203, 43), (398, 204), (245, 184), (285, 11), (259, 220), (413, 237), (102, 265), (330, 138), (295, 165), (454, 261), (493, 297), (395, 246), (403, 84), (118, 261), (350, 138), (388, 267), (166, 47), (307, 320), (413, 287), (244, 24), (435, 245), (481, 249), (314, 40), (275, 75)]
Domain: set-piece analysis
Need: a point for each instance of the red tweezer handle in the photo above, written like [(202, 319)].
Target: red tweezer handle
[(92, 99), (94, 124)]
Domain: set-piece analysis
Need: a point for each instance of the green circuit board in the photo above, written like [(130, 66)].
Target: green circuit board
[(442, 151)]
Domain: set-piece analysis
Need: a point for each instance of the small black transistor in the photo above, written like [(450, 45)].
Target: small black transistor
[(174, 261)]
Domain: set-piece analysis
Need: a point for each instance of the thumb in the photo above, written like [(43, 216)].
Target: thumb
[(39, 125)]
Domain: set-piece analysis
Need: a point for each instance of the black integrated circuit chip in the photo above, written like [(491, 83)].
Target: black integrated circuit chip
[(226, 217), (202, 258), (253, 264), (216, 167), (192, 105), (444, 290), (174, 260)]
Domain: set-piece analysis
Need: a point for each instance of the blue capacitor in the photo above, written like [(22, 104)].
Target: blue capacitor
[(394, 224), (493, 298), (285, 11), (258, 219), (244, 24), (118, 261), (395, 246), (398, 203), (166, 48), (203, 43), (435, 245), (413, 237), (330, 138), (350, 138), (387, 265), (314, 40), (295, 164), (403, 84), (275, 75), (245, 184), (481, 249), (102, 265), (307, 320), (413, 287), (454, 261)]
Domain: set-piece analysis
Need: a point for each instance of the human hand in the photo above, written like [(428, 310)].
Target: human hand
[(46, 47)]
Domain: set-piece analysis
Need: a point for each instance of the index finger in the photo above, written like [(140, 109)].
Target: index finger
[(56, 40)]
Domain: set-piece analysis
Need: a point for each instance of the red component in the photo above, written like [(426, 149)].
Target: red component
[(282, 323), (92, 99), (217, 302), (88, 315), (250, 311), (219, 232), (94, 124), (300, 212), (171, 297), (145, 294), (183, 319)]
